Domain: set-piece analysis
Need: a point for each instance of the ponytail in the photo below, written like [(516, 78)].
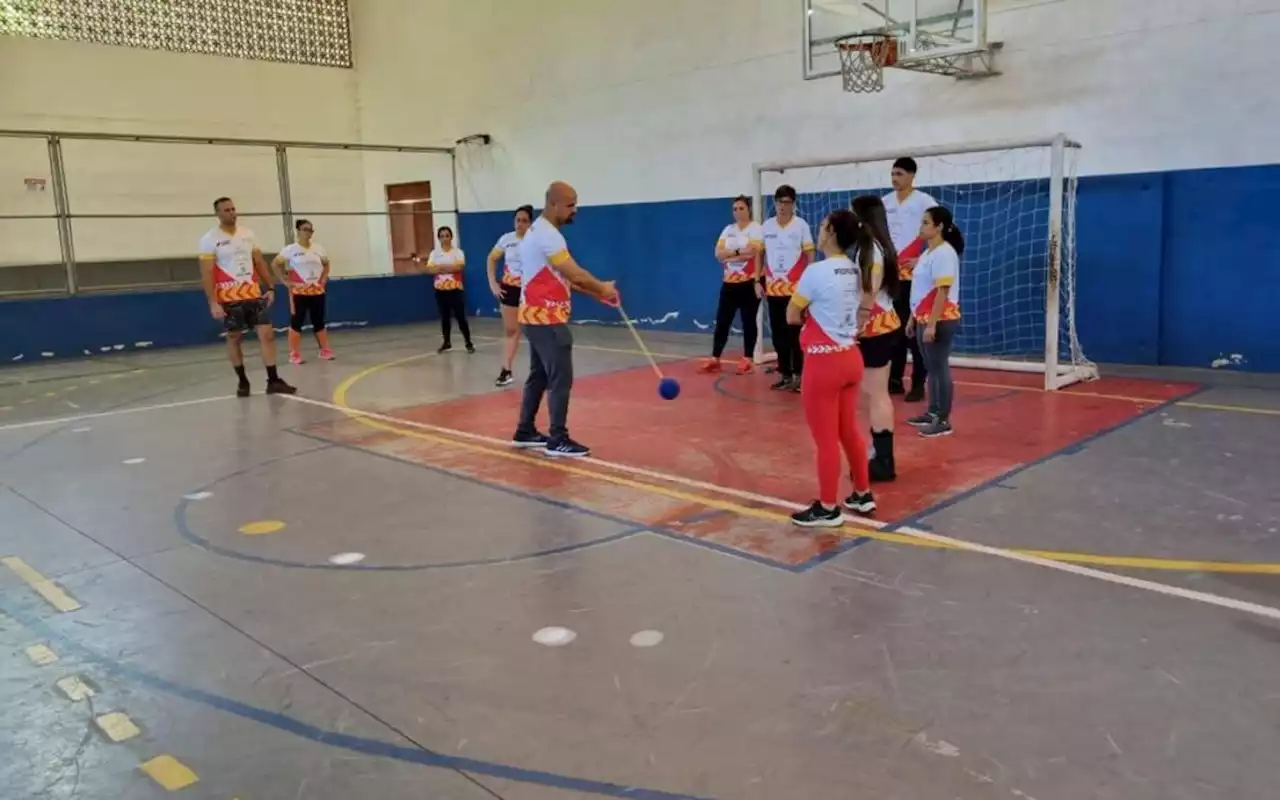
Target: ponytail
[(951, 234)]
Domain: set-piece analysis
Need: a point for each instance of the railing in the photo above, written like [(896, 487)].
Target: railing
[(103, 212)]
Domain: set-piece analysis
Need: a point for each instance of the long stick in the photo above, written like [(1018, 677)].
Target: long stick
[(640, 342)]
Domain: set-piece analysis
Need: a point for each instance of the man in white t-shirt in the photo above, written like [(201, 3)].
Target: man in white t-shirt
[(548, 275), (232, 270), (904, 208)]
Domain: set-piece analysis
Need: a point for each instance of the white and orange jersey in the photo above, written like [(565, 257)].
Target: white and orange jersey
[(884, 319), (904, 226), (831, 290), (544, 292), (736, 237), (937, 268), (508, 246), (232, 255), (304, 268), (787, 248), (453, 257)]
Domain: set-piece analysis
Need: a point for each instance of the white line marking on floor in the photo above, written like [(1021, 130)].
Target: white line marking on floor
[(1269, 612), (554, 636), (74, 688), (118, 412), (41, 655), (117, 726)]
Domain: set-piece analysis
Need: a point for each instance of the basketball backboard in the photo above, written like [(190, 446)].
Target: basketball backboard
[(924, 28)]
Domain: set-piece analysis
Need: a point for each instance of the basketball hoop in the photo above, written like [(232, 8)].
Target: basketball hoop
[(863, 58)]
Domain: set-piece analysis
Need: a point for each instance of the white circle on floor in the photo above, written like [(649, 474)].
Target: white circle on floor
[(647, 639), (198, 496), (132, 461), (85, 429), (554, 636), (342, 559)]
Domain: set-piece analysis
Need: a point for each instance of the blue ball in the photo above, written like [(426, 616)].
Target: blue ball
[(669, 388)]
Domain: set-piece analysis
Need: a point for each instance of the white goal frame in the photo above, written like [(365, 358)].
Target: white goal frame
[(1056, 374)]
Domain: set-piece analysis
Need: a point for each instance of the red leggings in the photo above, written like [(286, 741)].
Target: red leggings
[(829, 392)]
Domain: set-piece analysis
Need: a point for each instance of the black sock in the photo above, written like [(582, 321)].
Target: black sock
[(272, 375), (240, 373)]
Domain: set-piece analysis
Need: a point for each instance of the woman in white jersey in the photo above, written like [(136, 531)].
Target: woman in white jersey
[(880, 334), (306, 273), (935, 314), (828, 302), (507, 288), (446, 263), (738, 250)]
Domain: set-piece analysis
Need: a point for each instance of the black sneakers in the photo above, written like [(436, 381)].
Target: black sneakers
[(242, 389), (528, 441), (565, 447), (505, 378), (860, 503), (277, 386), (471, 348), (444, 348), (818, 516)]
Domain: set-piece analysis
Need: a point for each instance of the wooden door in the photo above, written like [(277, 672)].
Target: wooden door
[(412, 229)]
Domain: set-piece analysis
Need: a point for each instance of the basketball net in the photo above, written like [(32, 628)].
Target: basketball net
[(863, 58)]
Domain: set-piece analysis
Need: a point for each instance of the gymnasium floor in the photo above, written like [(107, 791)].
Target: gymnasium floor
[(168, 572)]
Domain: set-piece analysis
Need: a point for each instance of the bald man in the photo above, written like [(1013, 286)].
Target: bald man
[(548, 275)]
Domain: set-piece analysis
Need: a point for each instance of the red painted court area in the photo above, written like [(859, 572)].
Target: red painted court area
[(733, 431)]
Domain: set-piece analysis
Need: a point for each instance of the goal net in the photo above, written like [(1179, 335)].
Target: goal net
[(1015, 204)]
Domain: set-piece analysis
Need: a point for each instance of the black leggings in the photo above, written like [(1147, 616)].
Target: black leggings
[(737, 299), (786, 338), (905, 344), (307, 305), (452, 305)]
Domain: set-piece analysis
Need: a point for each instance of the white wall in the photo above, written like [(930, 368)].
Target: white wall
[(71, 86), (667, 99)]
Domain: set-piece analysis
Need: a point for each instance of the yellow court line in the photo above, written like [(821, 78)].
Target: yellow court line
[(50, 591), (169, 772), (1135, 562)]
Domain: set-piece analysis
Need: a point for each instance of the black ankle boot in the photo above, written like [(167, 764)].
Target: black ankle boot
[(882, 467)]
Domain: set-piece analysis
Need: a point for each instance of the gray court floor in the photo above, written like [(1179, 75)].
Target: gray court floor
[(250, 666)]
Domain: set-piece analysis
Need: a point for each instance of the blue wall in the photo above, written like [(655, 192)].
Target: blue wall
[(1175, 269), (70, 326)]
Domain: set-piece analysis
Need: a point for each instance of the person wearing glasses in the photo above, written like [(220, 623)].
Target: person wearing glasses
[(306, 272)]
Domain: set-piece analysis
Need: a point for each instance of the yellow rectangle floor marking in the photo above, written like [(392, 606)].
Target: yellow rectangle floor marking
[(75, 689), (50, 591), (41, 655), (117, 726), (169, 772)]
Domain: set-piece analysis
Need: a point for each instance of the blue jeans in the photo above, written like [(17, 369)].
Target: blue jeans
[(937, 358)]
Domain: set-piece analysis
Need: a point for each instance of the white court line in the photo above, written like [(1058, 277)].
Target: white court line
[(63, 420), (957, 544)]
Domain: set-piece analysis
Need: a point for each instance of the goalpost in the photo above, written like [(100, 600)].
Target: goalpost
[(1015, 203)]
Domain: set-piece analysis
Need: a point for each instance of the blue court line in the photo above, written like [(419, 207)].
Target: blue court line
[(370, 747), (1069, 449)]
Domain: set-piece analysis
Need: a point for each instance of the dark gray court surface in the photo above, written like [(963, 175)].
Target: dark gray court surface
[(890, 671)]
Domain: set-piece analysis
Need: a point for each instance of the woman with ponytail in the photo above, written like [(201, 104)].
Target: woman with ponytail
[(828, 302), (881, 333), (935, 314)]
